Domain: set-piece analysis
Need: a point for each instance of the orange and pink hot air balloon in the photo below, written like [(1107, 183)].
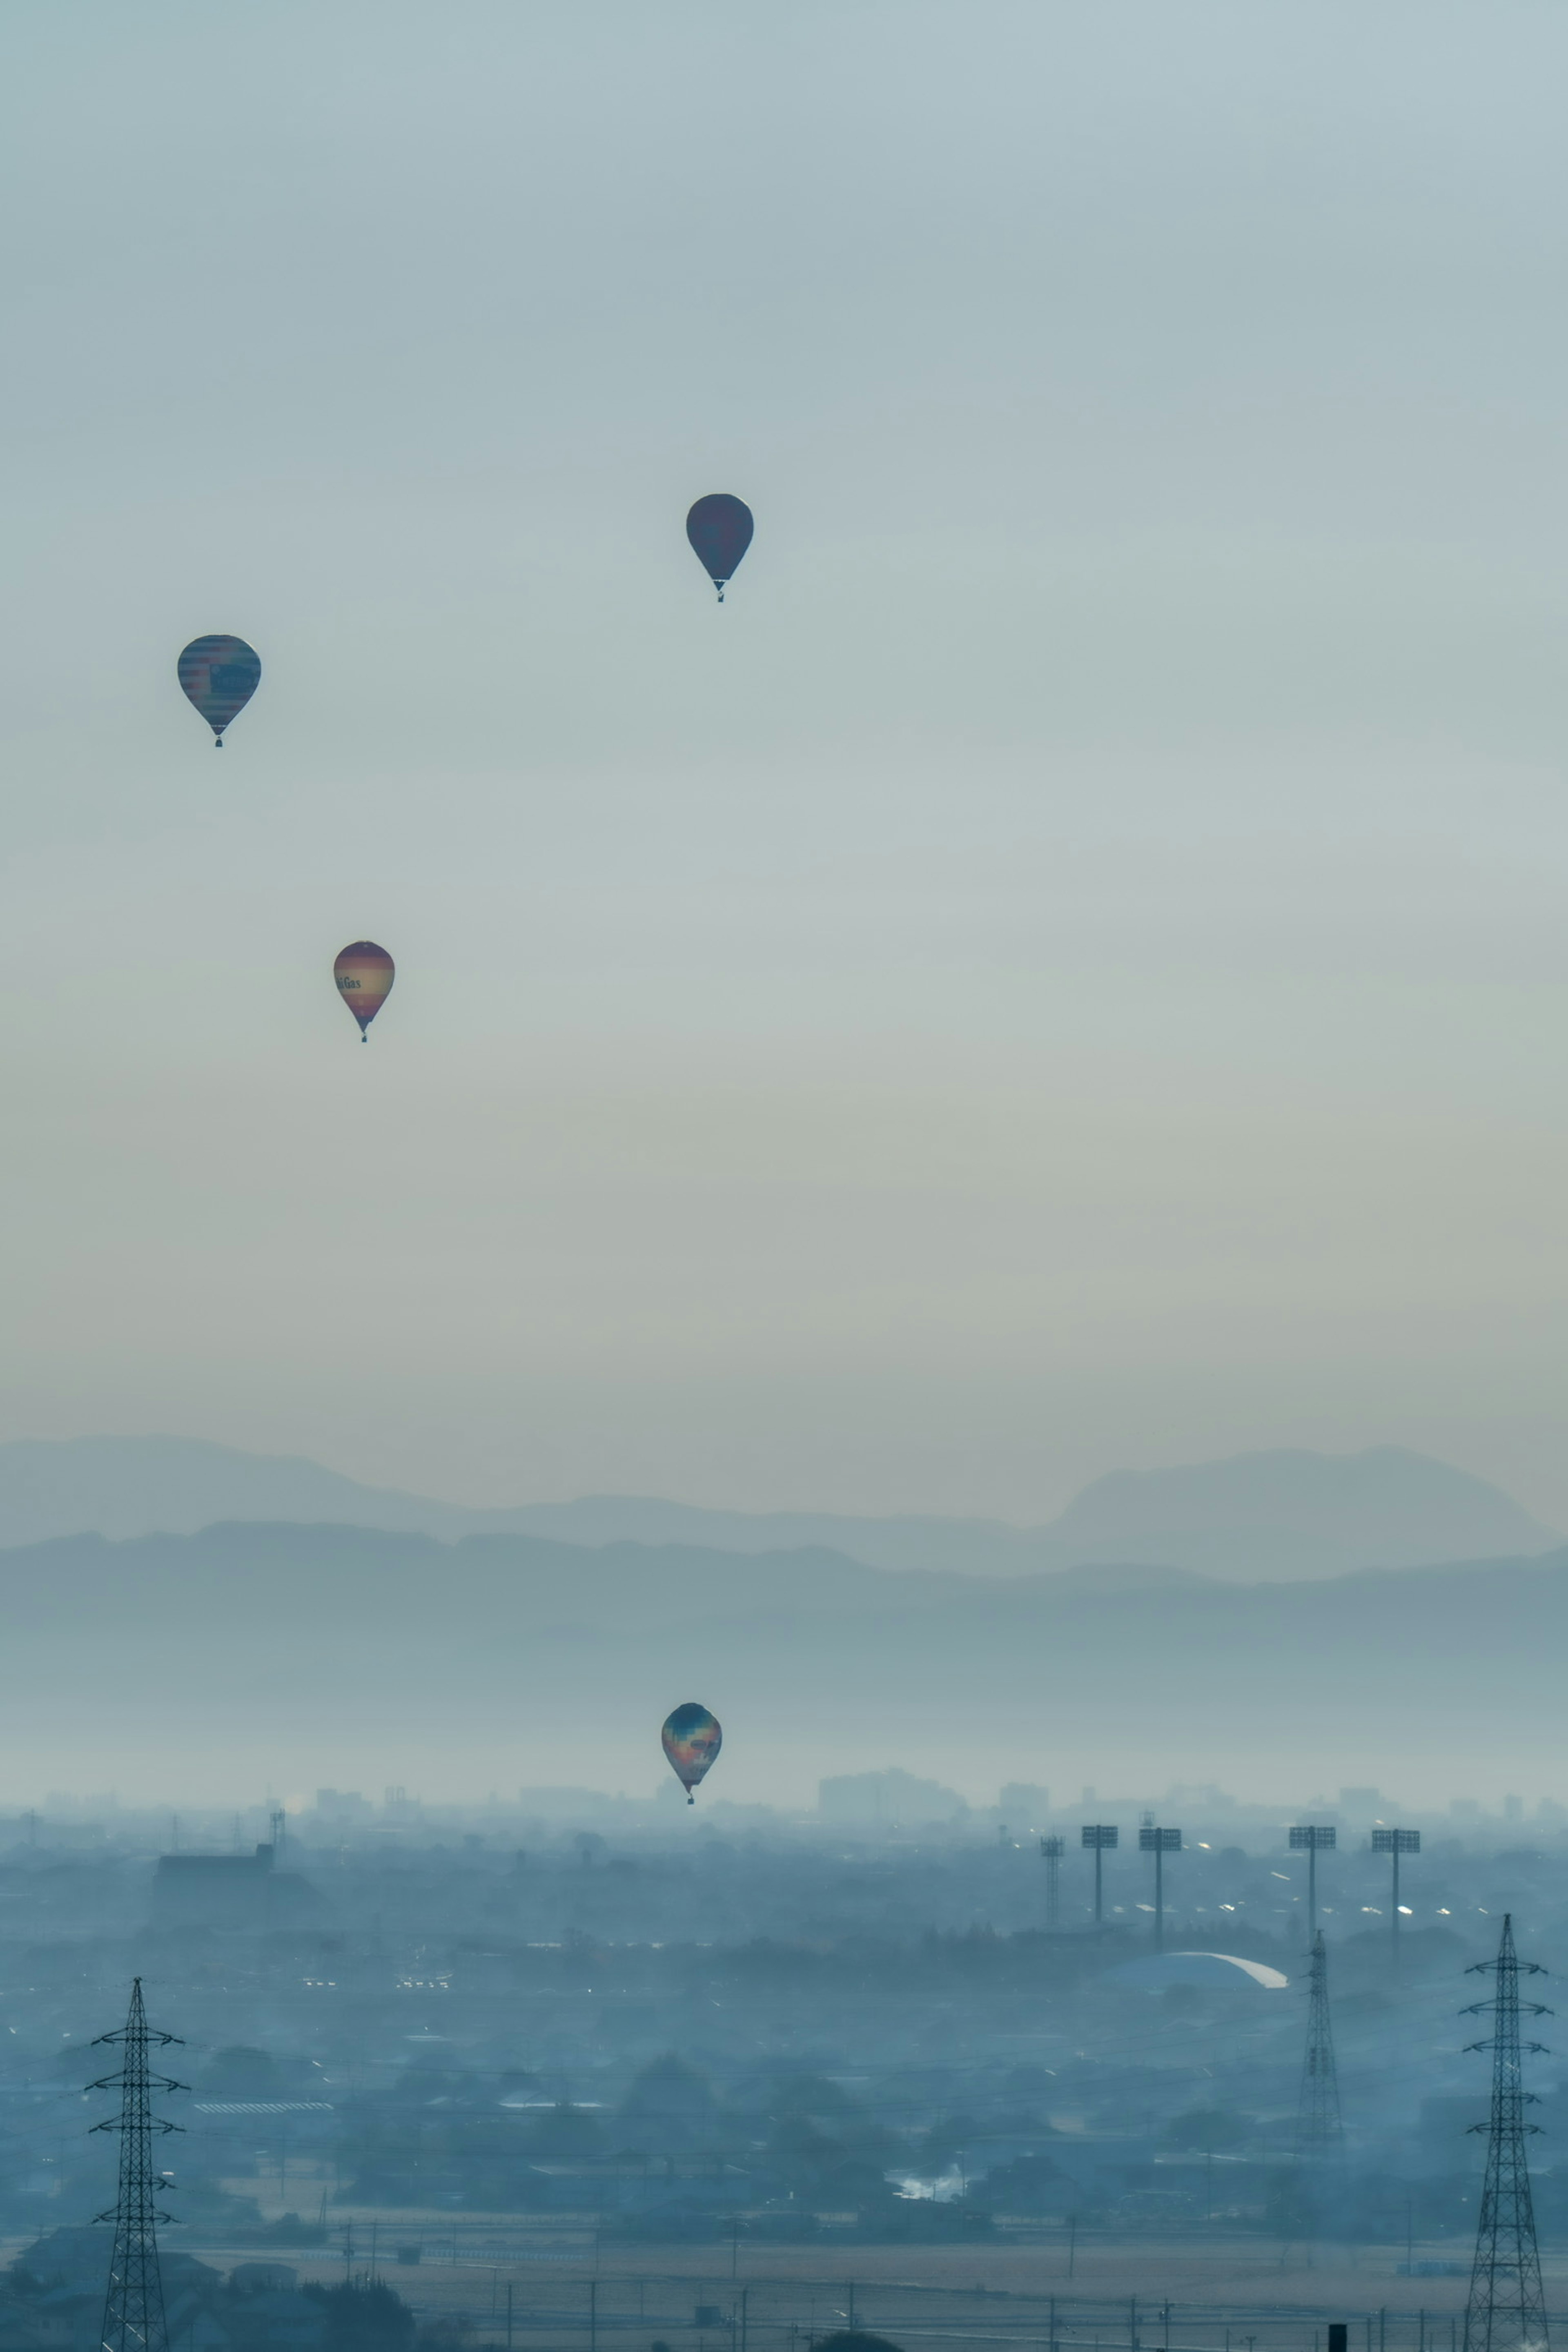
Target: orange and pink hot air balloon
[(691, 1739), (364, 974)]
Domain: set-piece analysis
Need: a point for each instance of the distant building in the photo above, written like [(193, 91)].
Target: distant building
[(231, 1890), (1024, 1804), (213, 1890), (888, 1799), (343, 1805)]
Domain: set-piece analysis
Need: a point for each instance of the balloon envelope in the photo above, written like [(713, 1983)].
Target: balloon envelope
[(720, 529), (219, 676), (691, 1739), (364, 974)]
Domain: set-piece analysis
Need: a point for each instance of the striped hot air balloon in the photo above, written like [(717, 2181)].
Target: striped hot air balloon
[(219, 676), (364, 974)]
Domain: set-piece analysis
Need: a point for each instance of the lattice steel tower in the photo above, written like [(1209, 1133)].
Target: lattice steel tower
[(1319, 2129), (1506, 2312), (134, 2306)]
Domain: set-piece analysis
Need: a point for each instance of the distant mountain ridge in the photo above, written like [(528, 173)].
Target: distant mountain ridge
[(1257, 1517), (514, 1654)]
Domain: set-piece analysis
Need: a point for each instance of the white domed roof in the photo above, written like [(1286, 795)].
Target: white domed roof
[(1157, 1968)]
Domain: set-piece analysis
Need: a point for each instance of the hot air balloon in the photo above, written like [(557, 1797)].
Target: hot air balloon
[(219, 676), (364, 974), (691, 1739), (720, 529)]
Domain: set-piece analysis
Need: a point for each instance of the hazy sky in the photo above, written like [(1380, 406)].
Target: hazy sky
[(1067, 969)]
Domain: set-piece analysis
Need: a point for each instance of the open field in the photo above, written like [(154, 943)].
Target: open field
[(1147, 2295)]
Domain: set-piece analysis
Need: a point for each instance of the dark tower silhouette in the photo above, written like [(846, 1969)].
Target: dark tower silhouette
[(1314, 1838), (1506, 2312), (1318, 2130), (1102, 1837), (1158, 1842), (1051, 1851), (134, 2306), (1394, 1842)]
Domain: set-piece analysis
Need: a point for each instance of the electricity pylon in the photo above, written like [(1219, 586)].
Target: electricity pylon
[(134, 2306), (1319, 2131), (1507, 2312)]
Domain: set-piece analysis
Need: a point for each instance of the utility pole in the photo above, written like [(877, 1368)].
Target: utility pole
[(1316, 1837), (1319, 2131), (1051, 1851), (1102, 1836), (1158, 1842), (1507, 2312), (1394, 1842), (133, 2317)]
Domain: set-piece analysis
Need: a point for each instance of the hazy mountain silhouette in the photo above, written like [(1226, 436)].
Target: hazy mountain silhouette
[(511, 1645), (1258, 1517), (1289, 1515)]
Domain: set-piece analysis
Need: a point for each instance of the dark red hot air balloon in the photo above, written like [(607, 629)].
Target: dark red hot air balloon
[(720, 529)]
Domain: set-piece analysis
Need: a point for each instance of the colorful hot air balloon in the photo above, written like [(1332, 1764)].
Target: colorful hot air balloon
[(691, 1739), (364, 974), (720, 529), (219, 676)]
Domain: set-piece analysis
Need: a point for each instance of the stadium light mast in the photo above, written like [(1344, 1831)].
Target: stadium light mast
[(1158, 1842), (1102, 1836), (1395, 1842), (1051, 1851), (1316, 1837)]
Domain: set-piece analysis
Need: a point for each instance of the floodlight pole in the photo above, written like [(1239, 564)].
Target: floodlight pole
[(1394, 1842), (1051, 1851), (1315, 1836), (1101, 1836), (1158, 1842)]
